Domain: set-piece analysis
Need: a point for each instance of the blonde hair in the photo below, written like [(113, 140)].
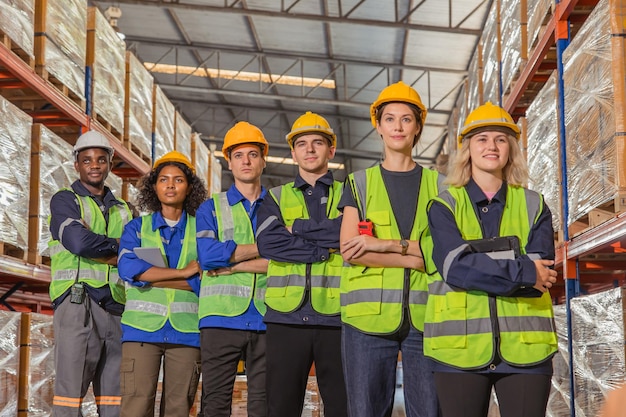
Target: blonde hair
[(515, 171)]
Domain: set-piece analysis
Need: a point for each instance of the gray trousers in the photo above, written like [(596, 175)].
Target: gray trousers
[(87, 350), (141, 364)]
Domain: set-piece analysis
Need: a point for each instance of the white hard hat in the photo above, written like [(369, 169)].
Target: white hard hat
[(92, 139)]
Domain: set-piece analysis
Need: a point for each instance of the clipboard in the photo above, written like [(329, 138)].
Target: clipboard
[(151, 255), (504, 247)]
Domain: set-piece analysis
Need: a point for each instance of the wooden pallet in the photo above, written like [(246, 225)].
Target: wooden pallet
[(8, 249), (7, 41), (134, 149), (58, 84), (599, 215), (108, 126)]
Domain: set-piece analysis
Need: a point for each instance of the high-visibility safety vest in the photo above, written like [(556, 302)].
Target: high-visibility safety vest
[(461, 326), (230, 295), (287, 282), (66, 266), (149, 308), (372, 299)]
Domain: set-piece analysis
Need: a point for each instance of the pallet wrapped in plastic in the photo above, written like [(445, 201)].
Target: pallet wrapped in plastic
[(589, 115), (162, 123), (559, 400), (138, 107), (491, 60), (9, 362), (15, 131), (511, 41), (106, 56), (182, 138), (200, 157), (215, 179), (16, 22), (543, 148), (538, 10), (61, 41)]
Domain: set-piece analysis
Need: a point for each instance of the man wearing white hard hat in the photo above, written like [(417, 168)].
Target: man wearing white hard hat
[(87, 295)]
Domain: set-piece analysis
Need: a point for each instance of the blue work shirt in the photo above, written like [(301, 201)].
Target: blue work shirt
[(130, 266), (480, 272), (214, 254), (309, 241), (79, 240)]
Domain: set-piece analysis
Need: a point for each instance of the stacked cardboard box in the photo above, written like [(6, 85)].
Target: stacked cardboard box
[(138, 107)]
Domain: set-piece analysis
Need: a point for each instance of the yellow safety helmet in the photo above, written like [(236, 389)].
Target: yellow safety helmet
[(399, 92), (488, 117), (311, 123), (174, 156), (244, 132)]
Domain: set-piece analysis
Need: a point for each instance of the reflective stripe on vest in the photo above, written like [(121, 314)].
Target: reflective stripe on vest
[(149, 308), (287, 281), (66, 267), (459, 325), (372, 298), (230, 295)]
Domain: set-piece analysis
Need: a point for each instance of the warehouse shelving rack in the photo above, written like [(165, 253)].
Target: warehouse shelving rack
[(27, 283)]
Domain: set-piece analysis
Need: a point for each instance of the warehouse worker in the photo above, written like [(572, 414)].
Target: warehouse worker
[(160, 322), (87, 295), (233, 281), (299, 232), (384, 292), (489, 321)]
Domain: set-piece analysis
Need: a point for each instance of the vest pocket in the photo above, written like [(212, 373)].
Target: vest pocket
[(449, 321), (382, 223), (364, 292)]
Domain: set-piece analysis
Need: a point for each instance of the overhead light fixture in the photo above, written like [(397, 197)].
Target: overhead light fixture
[(286, 161), (240, 75)]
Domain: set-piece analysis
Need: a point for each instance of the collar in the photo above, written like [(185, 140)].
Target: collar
[(478, 196), (108, 198), (326, 179), (234, 196), (158, 221)]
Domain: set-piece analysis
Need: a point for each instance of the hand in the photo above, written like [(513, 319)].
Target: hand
[(221, 271), (358, 245), (546, 277), (191, 269)]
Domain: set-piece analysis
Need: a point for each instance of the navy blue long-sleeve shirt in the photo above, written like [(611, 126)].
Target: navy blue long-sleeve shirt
[(309, 242), (477, 271)]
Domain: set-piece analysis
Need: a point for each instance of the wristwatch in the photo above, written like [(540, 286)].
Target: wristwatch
[(405, 246)]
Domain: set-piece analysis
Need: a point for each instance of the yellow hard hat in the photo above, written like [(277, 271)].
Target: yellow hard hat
[(488, 117), (311, 123), (399, 92), (244, 132), (174, 156)]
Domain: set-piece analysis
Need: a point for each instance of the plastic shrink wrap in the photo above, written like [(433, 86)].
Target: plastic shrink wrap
[(200, 156), (16, 21), (9, 362), (511, 41), (537, 12), (183, 135), (162, 123), (138, 107), (491, 61)]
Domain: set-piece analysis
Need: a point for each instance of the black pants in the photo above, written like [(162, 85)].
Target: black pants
[(290, 352), (467, 394)]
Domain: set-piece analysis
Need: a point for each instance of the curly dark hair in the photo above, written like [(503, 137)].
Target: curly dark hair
[(148, 200)]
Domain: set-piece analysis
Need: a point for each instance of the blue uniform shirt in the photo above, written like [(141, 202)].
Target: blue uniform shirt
[(130, 266), (479, 271), (213, 254), (308, 242)]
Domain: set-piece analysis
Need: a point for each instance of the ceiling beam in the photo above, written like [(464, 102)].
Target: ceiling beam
[(301, 16), (248, 94), (168, 43)]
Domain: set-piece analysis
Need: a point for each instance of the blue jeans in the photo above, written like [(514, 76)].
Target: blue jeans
[(369, 364)]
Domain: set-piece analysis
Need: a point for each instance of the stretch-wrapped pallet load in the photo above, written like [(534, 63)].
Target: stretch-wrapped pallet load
[(215, 179), (560, 394), (589, 116), (491, 60), (16, 22), (200, 157), (9, 362), (543, 148), (511, 41), (537, 12), (15, 131), (56, 171), (106, 56), (162, 123), (182, 138), (138, 107), (474, 86), (61, 42)]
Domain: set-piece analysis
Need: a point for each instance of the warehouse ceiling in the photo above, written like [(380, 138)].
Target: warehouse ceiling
[(268, 61)]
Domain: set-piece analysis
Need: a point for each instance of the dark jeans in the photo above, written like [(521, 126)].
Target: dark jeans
[(370, 364), (467, 394), (221, 350), (291, 350)]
